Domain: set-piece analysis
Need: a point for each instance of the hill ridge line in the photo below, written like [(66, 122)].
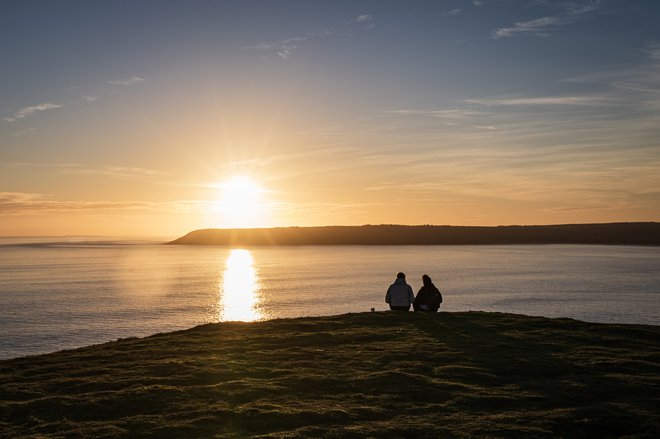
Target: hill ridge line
[(623, 233)]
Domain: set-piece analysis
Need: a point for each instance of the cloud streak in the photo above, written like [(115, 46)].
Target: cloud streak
[(127, 82), (532, 26), (540, 26), (364, 18), (19, 203), (285, 48), (24, 203), (635, 89), (26, 112), (29, 111), (449, 113), (540, 101), (117, 172)]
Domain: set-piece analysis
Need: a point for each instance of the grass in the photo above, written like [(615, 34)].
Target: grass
[(357, 375)]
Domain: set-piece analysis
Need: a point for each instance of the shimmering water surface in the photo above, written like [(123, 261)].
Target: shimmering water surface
[(60, 296)]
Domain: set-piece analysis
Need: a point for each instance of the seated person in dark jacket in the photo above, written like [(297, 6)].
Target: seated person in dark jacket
[(428, 297)]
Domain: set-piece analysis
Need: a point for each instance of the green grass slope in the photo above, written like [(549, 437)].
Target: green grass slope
[(358, 375)]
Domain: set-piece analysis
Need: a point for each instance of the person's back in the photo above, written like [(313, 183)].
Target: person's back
[(428, 297), (400, 294)]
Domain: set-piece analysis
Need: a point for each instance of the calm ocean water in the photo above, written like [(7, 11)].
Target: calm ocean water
[(59, 296)]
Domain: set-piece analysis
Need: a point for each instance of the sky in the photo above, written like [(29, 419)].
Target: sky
[(155, 118)]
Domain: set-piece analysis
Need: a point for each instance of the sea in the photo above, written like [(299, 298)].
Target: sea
[(63, 294)]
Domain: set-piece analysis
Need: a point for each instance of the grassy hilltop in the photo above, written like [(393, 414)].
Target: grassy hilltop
[(356, 375)]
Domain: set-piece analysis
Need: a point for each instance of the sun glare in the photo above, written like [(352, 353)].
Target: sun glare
[(242, 202), (240, 286)]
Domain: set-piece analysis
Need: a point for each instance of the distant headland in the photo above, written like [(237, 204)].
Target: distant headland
[(633, 233)]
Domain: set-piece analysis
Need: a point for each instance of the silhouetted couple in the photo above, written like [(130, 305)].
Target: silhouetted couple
[(400, 295)]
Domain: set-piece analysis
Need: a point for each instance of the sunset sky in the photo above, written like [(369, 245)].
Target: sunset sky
[(154, 118)]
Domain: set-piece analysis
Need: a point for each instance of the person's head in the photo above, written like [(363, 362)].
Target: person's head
[(400, 275), (426, 279)]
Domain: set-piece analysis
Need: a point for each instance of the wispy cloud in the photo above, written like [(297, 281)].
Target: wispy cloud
[(447, 113), (285, 48), (25, 203), (454, 12), (536, 26), (276, 45), (21, 203), (571, 13), (285, 51), (578, 176), (450, 116), (29, 111), (540, 101), (25, 132), (459, 118), (577, 8), (634, 88), (9, 199), (118, 172), (26, 112), (364, 18), (127, 82), (653, 51)]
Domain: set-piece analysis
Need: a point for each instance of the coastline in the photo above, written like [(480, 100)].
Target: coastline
[(639, 233), (377, 374)]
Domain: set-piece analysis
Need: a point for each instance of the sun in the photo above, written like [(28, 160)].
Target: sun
[(242, 202), (240, 194)]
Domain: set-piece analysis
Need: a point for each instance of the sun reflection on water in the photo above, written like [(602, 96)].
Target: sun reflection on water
[(239, 298)]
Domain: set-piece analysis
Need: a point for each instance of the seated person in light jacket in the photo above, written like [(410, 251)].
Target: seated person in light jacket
[(400, 294)]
